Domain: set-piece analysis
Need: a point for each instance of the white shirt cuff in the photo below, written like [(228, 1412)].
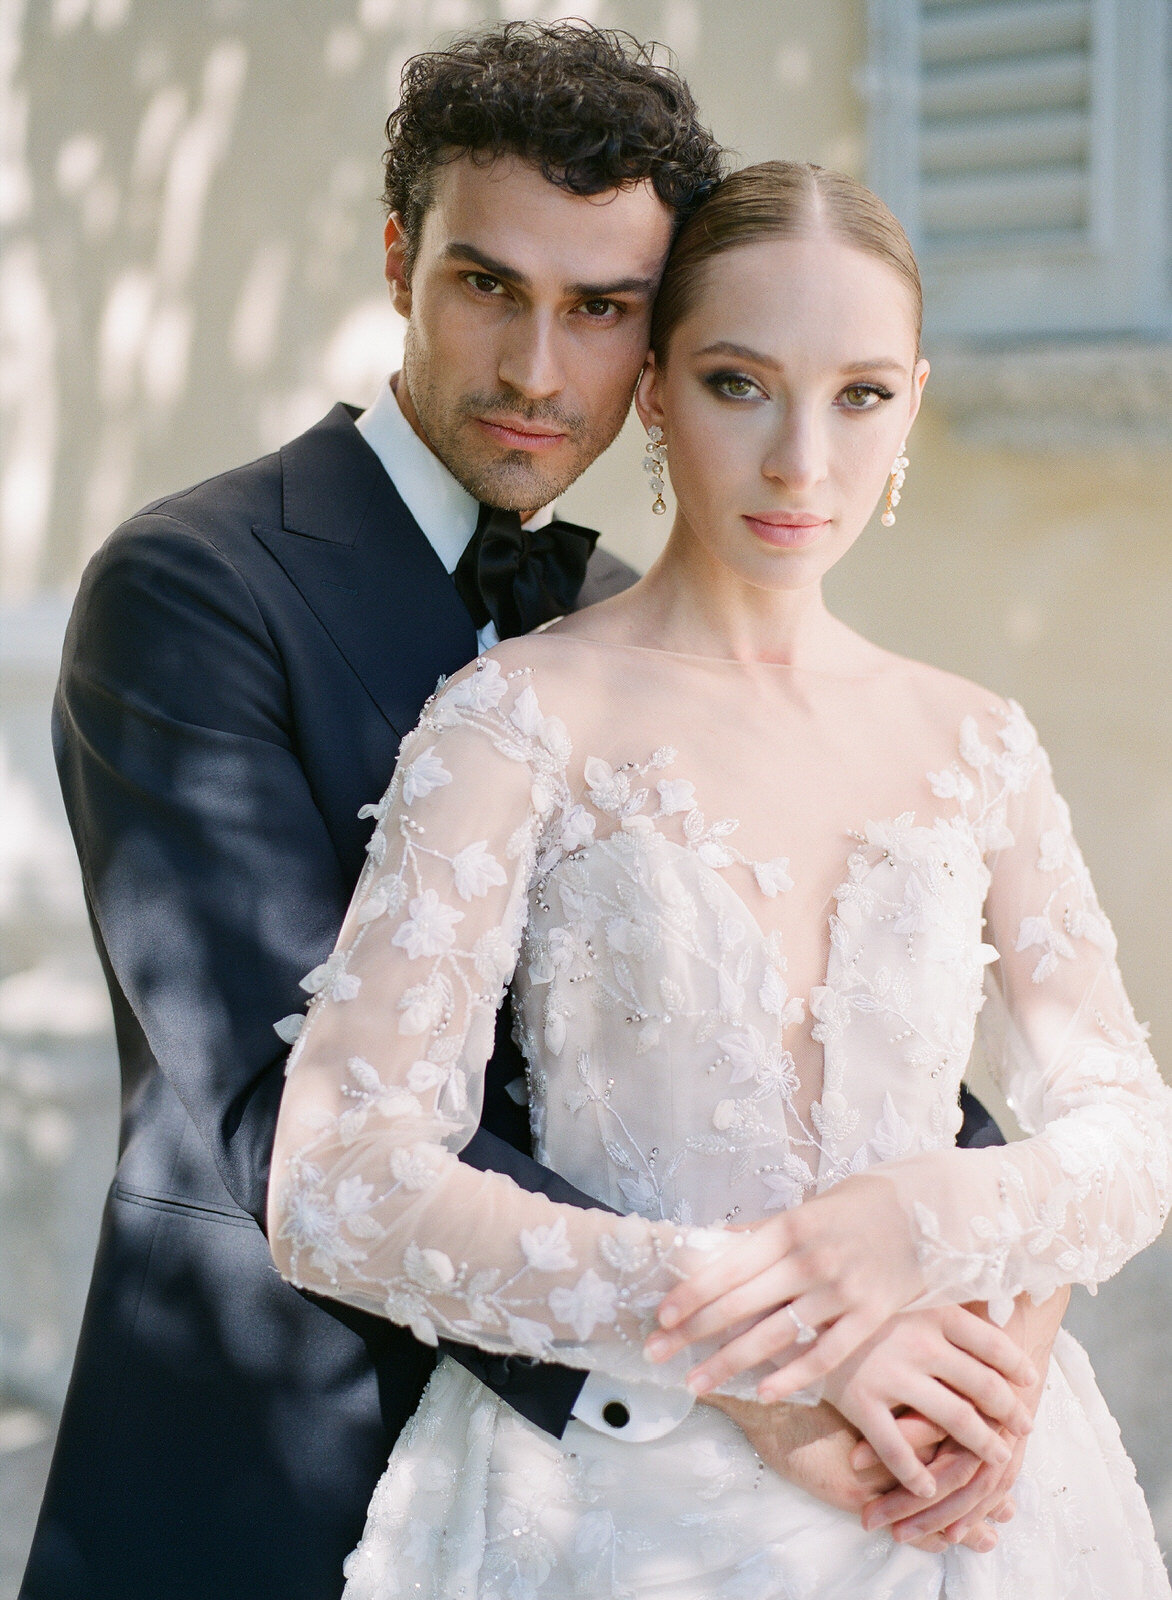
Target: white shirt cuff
[(637, 1412)]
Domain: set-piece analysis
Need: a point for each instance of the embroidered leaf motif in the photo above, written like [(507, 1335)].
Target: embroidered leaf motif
[(425, 774)]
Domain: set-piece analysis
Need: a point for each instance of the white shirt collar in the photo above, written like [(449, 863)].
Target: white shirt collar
[(443, 508)]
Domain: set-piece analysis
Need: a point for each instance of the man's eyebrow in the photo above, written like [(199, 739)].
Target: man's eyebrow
[(724, 347), (460, 251), (496, 269), (605, 291)]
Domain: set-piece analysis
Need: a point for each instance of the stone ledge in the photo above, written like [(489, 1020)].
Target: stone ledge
[(1072, 395)]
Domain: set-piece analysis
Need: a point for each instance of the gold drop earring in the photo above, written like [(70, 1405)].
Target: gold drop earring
[(653, 465), (898, 474)]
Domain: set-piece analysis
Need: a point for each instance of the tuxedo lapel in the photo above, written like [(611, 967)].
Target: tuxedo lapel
[(366, 570)]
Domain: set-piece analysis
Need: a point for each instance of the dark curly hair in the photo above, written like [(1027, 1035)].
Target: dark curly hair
[(591, 108)]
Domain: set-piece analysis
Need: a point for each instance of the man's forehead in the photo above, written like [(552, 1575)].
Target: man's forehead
[(508, 210)]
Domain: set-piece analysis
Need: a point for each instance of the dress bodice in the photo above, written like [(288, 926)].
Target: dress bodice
[(674, 1072), (752, 917)]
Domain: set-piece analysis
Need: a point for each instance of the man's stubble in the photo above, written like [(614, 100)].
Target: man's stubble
[(512, 479)]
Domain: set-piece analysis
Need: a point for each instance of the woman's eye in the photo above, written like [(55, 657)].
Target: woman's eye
[(864, 396), (734, 384), (599, 308)]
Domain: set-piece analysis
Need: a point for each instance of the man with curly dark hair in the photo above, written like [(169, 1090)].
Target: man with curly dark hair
[(591, 110), (534, 179), (243, 660)]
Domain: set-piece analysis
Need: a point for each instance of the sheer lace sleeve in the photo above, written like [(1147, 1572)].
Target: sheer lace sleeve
[(1091, 1185), (369, 1203)]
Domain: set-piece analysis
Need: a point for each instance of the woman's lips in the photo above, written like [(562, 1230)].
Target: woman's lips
[(787, 530), (520, 436)]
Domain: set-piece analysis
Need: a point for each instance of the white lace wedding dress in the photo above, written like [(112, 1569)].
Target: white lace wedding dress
[(752, 917)]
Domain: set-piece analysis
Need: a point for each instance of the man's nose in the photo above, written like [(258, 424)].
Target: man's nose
[(531, 361)]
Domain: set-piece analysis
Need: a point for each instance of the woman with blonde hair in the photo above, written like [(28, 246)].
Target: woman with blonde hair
[(755, 883)]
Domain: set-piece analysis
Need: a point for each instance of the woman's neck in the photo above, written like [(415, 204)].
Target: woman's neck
[(692, 603)]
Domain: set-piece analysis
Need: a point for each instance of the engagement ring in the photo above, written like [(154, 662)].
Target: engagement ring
[(805, 1334)]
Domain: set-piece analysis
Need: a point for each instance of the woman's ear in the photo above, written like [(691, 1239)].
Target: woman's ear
[(647, 394), (919, 378), (395, 269)]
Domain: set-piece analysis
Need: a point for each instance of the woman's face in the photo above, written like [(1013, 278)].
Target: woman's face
[(787, 392)]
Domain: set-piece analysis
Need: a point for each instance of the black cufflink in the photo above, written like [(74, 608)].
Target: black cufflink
[(615, 1414)]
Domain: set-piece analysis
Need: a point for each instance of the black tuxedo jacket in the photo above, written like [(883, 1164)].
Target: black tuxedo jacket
[(242, 662), (241, 665)]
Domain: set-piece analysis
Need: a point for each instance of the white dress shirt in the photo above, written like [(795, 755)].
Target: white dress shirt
[(442, 507), (447, 514)]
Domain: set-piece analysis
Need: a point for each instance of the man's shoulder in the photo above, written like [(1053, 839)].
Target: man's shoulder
[(247, 481), (606, 575), (219, 513)]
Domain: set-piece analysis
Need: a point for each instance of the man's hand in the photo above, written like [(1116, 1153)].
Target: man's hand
[(811, 1446), (970, 1494)]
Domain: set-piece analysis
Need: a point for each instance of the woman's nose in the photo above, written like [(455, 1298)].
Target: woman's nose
[(798, 455)]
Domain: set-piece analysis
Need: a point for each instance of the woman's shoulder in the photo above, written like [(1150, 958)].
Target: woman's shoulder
[(548, 655), (951, 698), (968, 722), (527, 653), (557, 655), (539, 668)]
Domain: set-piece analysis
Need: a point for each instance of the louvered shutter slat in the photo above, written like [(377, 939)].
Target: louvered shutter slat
[(961, 145), (1023, 142), (1062, 80), (991, 207), (977, 31), (1004, 121)]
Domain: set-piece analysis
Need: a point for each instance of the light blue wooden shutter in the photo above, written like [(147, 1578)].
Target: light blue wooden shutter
[(1024, 145)]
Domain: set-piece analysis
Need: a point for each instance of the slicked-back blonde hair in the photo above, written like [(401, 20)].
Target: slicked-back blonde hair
[(779, 200)]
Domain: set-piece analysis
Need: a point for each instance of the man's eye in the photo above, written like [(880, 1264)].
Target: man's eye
[(483, 282), (864, 396)]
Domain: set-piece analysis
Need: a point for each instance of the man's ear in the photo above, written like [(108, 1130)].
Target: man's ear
[(395, 269), (647, 394)]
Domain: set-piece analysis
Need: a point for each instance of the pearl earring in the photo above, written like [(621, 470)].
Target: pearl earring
[(898, 474), (653, 464)]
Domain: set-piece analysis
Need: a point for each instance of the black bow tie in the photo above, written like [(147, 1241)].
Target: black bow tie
[(519, 577)]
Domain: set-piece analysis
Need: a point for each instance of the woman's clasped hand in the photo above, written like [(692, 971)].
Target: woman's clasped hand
[(841, 1266)]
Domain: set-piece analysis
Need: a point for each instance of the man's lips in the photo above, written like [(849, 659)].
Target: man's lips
[(787, 529), (518, 434)]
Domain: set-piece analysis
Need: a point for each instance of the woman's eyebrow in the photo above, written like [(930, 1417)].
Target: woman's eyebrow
[(724, 347), (744, 352)]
